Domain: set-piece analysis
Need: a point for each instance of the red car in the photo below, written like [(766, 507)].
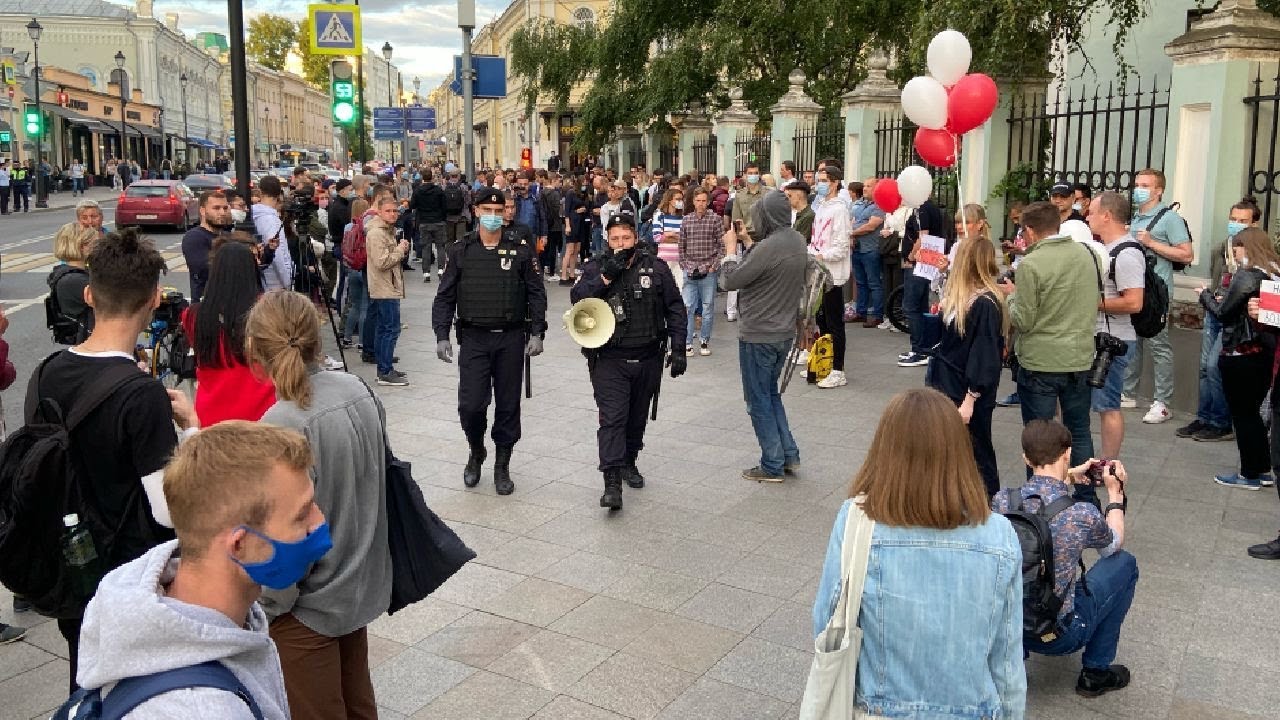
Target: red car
[(158, 202)]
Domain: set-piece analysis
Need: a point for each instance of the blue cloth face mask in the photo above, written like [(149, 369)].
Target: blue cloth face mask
[(1234, 227), (491, 222), (1141, 196), (822, 188), (289, 561), (753, 179)]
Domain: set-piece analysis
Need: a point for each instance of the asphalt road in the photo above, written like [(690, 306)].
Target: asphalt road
[(26, 257)]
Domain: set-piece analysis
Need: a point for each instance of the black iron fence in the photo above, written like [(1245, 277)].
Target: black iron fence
[(705, 154), (1100, 140), (754, 148), (635, 156), (895, 150), (668, 158), (1263, 180), (812, 142)]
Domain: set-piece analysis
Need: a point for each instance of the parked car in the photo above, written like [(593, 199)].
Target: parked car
[(158, 202), (205, 183)]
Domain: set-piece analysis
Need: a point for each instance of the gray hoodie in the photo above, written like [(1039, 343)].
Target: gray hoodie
[(770, 275), (132, 629)]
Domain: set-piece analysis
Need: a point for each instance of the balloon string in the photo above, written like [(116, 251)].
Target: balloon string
[(960, 187)]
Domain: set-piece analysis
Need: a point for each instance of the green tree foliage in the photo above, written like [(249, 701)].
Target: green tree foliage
[(658, 55), (351, 136), (315, 68), (270, 38)]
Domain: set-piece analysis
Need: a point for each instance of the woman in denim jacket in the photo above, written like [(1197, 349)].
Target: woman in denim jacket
[(941, 611)]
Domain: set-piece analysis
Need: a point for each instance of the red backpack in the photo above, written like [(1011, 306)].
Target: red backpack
[(354, 254)]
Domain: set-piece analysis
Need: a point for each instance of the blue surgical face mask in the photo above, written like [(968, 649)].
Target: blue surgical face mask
[(491, 222), (1141, 196), (1234, 227), (822, 188), (289, 561), (752, 179)]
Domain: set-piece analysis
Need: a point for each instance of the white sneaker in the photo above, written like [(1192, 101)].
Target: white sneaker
[(440, 272), (834, 380), (885, 325), (803, 358), (704, 350), (688, 352), (331, 364), (1128, 403), (731, 317), (1157, 414)]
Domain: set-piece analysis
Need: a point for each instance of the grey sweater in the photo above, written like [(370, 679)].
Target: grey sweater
[(351, 585), (770, 275)]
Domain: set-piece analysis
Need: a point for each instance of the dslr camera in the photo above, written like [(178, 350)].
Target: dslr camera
[(1106, 348)]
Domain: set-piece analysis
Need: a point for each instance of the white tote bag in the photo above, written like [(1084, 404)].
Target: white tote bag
[(829, 692)]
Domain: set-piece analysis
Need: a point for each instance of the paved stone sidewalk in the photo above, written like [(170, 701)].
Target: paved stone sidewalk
[(695, 601)]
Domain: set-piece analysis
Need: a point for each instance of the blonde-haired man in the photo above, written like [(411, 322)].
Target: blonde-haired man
[(243, 507)]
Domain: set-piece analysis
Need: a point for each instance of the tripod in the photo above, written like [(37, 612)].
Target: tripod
[(306, 276)]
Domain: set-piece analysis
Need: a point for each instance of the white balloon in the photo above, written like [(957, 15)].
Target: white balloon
[(949, 56), (915, 184), (924, 101)]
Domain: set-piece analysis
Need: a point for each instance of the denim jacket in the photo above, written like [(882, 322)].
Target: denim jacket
[(941, 619)]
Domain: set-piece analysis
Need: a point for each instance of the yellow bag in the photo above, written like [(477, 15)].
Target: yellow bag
[(821, 356)]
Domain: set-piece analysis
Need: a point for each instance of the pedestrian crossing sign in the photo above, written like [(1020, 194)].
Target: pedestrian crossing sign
[(335, 29)]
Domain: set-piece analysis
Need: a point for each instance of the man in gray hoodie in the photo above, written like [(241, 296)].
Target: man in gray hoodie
[(770, 277), (243, 506)]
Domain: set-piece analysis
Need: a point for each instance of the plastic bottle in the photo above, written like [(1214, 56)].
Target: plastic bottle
[(81, 555)]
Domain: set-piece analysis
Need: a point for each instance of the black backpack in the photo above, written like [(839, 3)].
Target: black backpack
[(40, 482), (1154, 315), (1040, 602), (129, 693), (65, 329), (1155, 221), (454, 200)]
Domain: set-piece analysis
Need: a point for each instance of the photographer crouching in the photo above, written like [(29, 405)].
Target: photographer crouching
[(1067, 614)]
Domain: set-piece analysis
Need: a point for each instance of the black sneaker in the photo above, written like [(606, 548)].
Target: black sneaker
[(1093, 683), (393, 378), (1266, 550), (759, 474), (1208, 433), (367, 358), (21, 604), (11, 633), (1190, 429)]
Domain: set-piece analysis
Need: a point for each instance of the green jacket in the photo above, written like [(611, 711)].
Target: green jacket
[(804, 223), (1055, 306)]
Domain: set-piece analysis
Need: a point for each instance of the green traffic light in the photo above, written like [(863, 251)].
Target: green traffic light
[(344, 112)]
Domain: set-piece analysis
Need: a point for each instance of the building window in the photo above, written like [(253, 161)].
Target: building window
[(92, 75), (584, 17)]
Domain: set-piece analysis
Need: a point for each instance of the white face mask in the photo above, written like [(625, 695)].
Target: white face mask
[(238, 216), (677, 204)]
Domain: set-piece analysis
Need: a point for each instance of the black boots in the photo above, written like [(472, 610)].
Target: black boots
[(631, 474), (1093, 683), (502, 473), (612, 497), (471, 474)]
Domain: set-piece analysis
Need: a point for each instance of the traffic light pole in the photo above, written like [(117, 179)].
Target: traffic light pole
[(468, 116), (239, 97), (42, 192)]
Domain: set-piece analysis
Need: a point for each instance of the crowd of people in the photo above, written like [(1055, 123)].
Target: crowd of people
[(248, 528)]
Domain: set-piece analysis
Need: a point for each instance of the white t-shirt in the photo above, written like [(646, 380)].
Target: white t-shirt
[(1131, 265), (77, 170)]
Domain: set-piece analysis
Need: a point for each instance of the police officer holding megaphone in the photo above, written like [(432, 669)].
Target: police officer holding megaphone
[(626, 310), (492, 283)]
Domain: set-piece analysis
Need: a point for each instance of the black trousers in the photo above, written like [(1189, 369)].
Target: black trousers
[(1245, 381), (623, 390), (831, 322), (70, 630), (490, 364), (984, 451), (551, 253), (21, 196)]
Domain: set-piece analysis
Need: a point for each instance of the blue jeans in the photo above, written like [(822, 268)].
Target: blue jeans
[(597, 240), (1212, 409), (388, 314), (359, 302), (697, 294), (1107, 397), (77, 185), (761, 365), (1042, 393), (866, 270), (915, 301), (369, 326), (1094, 623)]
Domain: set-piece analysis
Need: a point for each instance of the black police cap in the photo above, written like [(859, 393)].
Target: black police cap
[(489, 196), (621, 218)]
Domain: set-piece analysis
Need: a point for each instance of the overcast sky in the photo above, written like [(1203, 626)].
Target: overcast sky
[(424, 35)]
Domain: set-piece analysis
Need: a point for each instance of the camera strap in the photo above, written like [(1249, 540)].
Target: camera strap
[(1102, 292)]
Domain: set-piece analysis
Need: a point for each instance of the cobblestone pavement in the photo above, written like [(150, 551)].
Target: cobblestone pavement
[(694, 602)]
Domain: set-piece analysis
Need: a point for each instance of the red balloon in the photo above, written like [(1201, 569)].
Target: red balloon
[(886, 194), (970, 102), (936, 147)]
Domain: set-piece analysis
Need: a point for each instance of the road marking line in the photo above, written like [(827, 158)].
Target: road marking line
[(22, 304)]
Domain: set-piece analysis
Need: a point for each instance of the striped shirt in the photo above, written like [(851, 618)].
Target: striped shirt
[(662, 224)]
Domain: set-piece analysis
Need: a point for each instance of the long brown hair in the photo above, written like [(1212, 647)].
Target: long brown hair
[(283, 338), (973, 273), (919, 470), (1257, 247)]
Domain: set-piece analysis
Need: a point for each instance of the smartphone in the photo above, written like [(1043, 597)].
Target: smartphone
[(738, 226)]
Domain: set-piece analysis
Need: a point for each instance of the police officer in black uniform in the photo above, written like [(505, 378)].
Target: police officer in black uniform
[(626, 371), (491, 281)]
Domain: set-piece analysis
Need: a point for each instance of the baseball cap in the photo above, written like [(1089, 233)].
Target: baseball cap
[(342, 184), (489, 196), (1060, 189), (620, 183)]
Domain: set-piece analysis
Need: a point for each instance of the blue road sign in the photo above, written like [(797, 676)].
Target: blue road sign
[(420, 113), (388, 113), (381, 134), (418, 126), (382, 123), (490, 81)]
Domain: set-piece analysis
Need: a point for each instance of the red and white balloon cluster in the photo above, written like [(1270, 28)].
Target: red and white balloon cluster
[(945, 104)]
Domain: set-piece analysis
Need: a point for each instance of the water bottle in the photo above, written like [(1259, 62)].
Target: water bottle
[(81, 556)]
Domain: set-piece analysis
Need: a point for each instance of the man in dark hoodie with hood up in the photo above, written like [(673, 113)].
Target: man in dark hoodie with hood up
[(770, 277)]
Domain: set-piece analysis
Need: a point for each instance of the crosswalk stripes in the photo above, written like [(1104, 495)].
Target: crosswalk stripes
[(43, 262)]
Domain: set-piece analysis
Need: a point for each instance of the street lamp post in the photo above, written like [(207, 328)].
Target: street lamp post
[(42, 193), (266, 120), (284, 134), (186, 131), (124, 133), (386, 54)]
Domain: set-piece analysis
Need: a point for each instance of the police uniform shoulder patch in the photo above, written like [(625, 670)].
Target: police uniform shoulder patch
[(646, 282)]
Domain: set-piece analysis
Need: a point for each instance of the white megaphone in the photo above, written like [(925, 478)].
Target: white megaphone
[(590, 322)]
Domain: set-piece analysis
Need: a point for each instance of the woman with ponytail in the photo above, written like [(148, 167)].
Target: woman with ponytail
[(1247, 355), (319, 624)]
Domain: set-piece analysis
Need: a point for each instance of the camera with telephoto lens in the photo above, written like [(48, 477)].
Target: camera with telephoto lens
[(172, 303), (1107, 347)]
